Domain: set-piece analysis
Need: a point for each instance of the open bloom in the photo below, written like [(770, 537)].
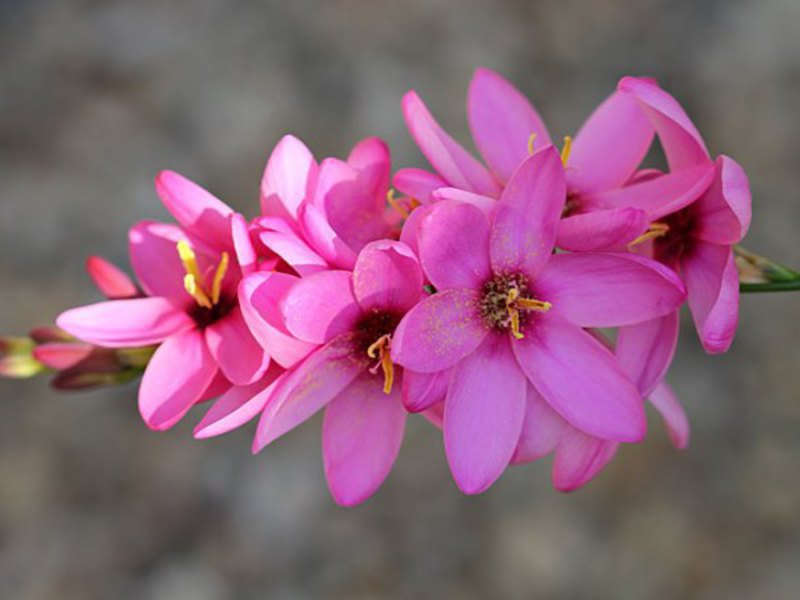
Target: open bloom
[(351, 318), (509, 313)]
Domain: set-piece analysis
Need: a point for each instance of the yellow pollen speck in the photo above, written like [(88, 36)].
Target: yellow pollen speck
[(380, 348), (531, 143), (655, 230), (566, 149)]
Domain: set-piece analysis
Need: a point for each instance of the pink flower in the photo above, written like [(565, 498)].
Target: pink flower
[(509, 313), (189, 276), (351, 318)]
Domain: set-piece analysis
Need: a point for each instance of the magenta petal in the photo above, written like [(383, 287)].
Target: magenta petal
[(666, 403), (246, 255), (289, 178), (713, 284), (435, 415), (309, 387), (371, 158), (579, 459), (453, 242), (260, 295), (502, 121), (609, 290), (723, 213), (601, 229), (455, 164), (361, 436), (484, 203), (324, 239), (409, 235), (610, 145), (112, 281), (541, 429), (61, 355), (124, 323), (199, 212), (238, 354), (657, 196), (422, 390), (417, 183), (280, 237), (581, 380), (483, 414), (175, 379), (321, 306), (387, 275), (155, 260), (439, 331), (645, 350), (526, 223)]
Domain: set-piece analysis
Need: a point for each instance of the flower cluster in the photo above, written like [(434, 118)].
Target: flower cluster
[(526, 304)]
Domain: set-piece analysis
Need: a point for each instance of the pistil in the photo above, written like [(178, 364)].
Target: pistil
[(381, 349)]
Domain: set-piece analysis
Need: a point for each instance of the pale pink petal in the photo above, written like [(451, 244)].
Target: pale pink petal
[(666, 403), (112, 281), (455, 164), (483, 414), (439, 331), (238, 354), (124, 323), (581, 379), (155, 260), (526, 222), (713, 284), (289, 178), (321, 306), (645, 350), (541, 429), (453, 243), (371, 158), (239, 405), (609, 290), (484, 203), (310, 386), (324, 239), (175, 379), (246, 255), (361, 436), (502, 121), (279, 237), (198, 212), (722, 214), (260, 295), (422, 390), (387, 276), (658, 196), (417, 183), (579, 459), (680, 139), (601, 229), (610, 145)]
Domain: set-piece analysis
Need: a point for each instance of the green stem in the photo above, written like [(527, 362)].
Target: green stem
[(775, 286)]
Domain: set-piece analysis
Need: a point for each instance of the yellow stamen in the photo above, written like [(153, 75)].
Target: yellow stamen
[(395, 204), (566, 149), (196, 291), (193, 280), (219, 275), (515, 302), (655, 230), (189, 260), (531, 143), (531, 304), (380, 348), (515, 323)]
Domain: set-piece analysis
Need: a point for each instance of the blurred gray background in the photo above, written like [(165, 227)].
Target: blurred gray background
[(97, 96)]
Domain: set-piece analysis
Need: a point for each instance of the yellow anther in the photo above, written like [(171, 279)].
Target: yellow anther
[(566, 149), (380, 348), (196, 291), (395, 204), (219, 275), (189, 259), (193, 280), (655, 230), (531, 143), (531, 304), (514, 313), (515, 303)]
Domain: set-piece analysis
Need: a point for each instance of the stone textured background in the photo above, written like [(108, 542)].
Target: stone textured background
[(96, 96)]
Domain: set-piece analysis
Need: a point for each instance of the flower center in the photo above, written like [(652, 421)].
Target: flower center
[(674, 242), (375, 331), (209, 299), (505, 303)]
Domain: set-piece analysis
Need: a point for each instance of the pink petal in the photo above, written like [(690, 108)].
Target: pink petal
[(601, 229), (435, 415), (579, 459), (483, 414), (484, 203), (658, 196), (321, 306), (371, 158), (309, 387), (680, 139), (581, 380), (713, 284), (422, 390), (260, 295), (61, 355), (610, 145), (645, 350), (455, 164), (666, 403), (453, 243), (409, 235), (324, 239), (199, 212), (175, 379), (387, 276), (417, 183), (279, 237), (526, 223), (609, 290), (541, 429), (361, 436), (155, 260), (112, 281), (218, 386), (238, 354), (723, 213), (289, 178), (439, 331), (125, 323), (502, 121), (246, 255), (238, 406)]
